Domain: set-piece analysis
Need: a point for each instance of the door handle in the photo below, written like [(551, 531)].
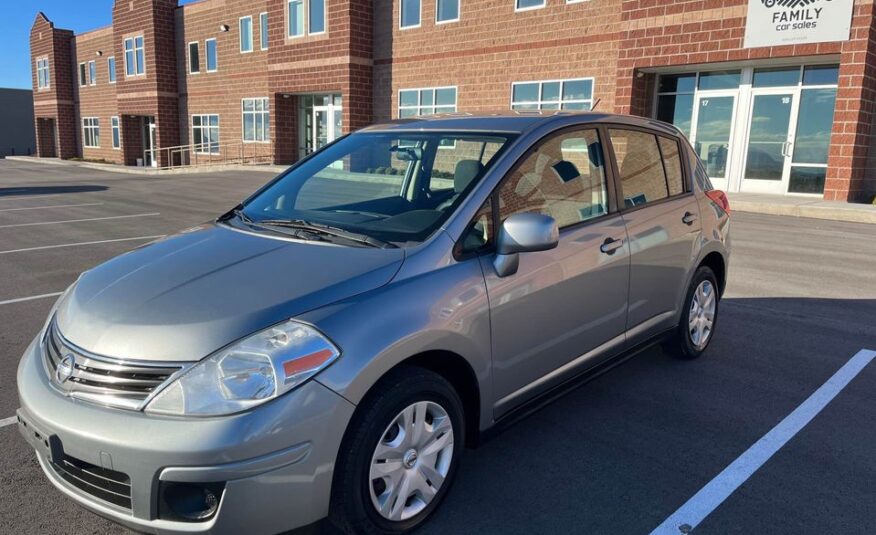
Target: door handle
[(786, 149), (610, 245), (688, 218)]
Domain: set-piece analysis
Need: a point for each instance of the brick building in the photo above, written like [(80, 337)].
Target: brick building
[(278, 78)]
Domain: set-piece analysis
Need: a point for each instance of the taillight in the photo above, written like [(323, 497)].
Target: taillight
[(720, 198)]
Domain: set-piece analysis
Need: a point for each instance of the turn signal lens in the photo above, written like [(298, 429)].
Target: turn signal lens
[(720, 198)]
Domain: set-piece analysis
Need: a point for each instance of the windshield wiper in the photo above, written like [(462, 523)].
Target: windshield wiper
[(325, 230)]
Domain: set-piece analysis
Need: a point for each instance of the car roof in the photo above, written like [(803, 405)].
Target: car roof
[(512, 122)]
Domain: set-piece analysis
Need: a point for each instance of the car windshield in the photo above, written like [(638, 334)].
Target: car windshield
[(392, 188)]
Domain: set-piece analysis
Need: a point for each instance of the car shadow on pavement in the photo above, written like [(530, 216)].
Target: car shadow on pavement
[(49, 190)]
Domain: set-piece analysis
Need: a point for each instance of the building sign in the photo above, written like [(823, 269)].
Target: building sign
[(791, 22)]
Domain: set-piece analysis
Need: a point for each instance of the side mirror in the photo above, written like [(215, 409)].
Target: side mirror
[(523, 233)]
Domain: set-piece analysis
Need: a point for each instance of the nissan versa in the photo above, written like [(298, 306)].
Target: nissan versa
[(329, 346)]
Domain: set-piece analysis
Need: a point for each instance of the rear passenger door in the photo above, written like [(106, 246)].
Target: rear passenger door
[(662, 219), (564, 309)]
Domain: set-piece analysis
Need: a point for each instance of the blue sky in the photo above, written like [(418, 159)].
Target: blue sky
[(76, 15)]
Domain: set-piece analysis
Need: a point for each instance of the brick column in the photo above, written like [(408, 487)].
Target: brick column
[(284, 129)]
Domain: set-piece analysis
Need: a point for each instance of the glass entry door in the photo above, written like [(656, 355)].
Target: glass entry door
[(320, 122), (770, 142), (712, 131), (149, 144)]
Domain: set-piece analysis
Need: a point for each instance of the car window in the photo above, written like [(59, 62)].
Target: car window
[(564, 178), (672, 164), (480, 232), (380, 184), (640, 167)]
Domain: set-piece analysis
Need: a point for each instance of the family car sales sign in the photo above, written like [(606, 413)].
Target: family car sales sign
[(789, 22)]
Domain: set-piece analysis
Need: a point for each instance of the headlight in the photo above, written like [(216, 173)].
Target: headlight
[(248, 373)]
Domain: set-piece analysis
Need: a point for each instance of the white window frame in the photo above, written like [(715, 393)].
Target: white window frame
[(448, 21), (92, 73), (43, 77), (116, 133), (266, 120), (289, 33), (263, 31), (401, 9), (131, 71), (324, 18), (207, 54), (518, 9), (240, 32), (420, 105), (83, 74), (540, 102), (92, 125), (111, 69), (218, 129), (189, 57)]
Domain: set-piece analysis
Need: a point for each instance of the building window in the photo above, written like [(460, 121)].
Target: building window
[(245, 35), (111, 69), (83, 80), (446, 11), (256, 120), (117, 133), (427, 101), (205, 134), (194, 58), (91, 132), (574, 94), (135, 60), (410, 14), (212, 55), (296, 18), (263, 30), (316, 16), (43, 73), (92, 73), (526, 5)]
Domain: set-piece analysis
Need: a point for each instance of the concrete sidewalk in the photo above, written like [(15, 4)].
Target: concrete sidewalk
[(786, 205), (802, 206)]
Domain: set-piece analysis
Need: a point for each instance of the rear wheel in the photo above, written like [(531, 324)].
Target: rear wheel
[(699, 316), (400, 455)]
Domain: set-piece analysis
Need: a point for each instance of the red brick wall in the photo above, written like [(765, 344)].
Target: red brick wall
[(56, 101), (677, 33), (96, 100), (492, 46)]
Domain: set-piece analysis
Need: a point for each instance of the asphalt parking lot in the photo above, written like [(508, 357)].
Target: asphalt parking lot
[(622, 454)]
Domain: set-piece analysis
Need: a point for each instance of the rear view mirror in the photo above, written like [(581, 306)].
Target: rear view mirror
[(523, 233)]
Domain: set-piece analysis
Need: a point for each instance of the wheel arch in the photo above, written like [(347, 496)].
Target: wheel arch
[(715, 261)]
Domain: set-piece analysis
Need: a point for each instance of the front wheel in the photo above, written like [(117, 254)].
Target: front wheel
[(400, 455), (699, 316)]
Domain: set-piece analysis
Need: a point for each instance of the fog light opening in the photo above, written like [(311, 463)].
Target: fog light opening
[(189, 502)]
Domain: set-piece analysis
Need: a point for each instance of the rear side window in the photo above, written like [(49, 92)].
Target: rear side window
[(672, 163), (641, 169), (564, 178)]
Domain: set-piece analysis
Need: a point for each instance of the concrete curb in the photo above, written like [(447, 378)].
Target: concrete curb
[(852, 213)]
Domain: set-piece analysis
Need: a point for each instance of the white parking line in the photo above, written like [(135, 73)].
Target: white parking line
[(79, 220), (8, 421), (43, 247), (31, 298), (51, 206), (696, 509)]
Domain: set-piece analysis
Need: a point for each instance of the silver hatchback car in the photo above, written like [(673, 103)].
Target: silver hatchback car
[(330, 346)]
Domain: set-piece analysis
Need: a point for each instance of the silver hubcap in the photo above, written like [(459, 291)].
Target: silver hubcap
[(411, 461), (702, 314)]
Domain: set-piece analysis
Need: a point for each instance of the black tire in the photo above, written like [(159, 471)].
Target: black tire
[(351, 509), (680, 343)]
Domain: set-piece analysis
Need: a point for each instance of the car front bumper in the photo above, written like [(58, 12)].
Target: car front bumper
[(276, 461)]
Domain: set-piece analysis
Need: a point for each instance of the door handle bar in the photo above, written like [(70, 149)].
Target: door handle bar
[(688, 218), (610, 246)]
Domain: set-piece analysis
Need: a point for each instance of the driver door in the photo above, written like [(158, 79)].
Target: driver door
[(564, 310)]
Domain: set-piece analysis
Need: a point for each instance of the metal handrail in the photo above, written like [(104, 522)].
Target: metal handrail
[(210, 153)]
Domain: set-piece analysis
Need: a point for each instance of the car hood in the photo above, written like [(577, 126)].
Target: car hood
[(184, 297)]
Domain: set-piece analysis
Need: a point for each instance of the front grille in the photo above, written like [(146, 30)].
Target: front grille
[(107, 485), (108, 381)]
